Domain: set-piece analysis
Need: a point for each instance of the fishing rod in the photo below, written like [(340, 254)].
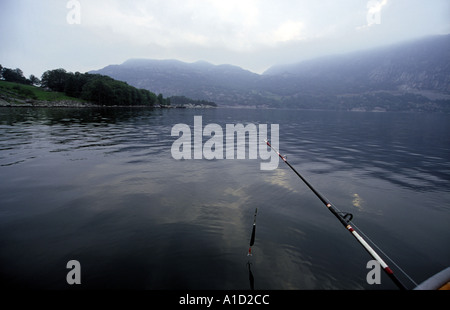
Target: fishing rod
[(252, 238), (345, 219)]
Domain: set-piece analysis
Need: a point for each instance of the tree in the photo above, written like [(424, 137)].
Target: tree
[(15, 76), (71, 87), (160, 99), (34, 80), (55, 79), (98, 91), (74, 84), (148, 97)]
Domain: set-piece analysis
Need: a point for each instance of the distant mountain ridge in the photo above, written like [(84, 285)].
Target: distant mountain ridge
[(423, 64), (200, 80), (412, 76)]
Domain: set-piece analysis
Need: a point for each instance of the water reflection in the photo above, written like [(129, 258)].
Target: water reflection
[(251, 278), (100, 186), (375, 146)]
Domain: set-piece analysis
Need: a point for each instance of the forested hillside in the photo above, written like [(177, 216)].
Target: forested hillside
[(412, 76)]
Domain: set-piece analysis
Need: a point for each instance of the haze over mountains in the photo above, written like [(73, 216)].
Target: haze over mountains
[(412, 76)]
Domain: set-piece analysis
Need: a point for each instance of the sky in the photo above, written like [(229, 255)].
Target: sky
[(84, 35)]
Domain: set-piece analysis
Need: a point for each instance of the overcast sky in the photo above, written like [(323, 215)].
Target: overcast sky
[(38, 35)]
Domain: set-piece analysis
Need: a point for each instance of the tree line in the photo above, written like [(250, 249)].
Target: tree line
[(95, 88), (182, 101), (99, 89), (16, 76)]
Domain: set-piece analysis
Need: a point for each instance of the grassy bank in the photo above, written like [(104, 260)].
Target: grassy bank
[(15, 93)]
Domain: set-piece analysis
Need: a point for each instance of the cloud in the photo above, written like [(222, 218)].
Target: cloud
[(289, 31), (233, 24), (254, 34)]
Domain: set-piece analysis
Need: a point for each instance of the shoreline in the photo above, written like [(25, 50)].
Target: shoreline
[(32, 103), (69, 104)]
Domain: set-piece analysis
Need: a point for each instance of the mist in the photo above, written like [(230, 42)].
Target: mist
[(87, 35)]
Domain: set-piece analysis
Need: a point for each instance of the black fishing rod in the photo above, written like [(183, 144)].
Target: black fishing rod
[(252, 238), (345, 219)]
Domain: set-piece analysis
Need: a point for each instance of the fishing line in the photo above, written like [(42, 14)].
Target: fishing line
[(387, 256), (375, 245), (378, 248), (345, 219)]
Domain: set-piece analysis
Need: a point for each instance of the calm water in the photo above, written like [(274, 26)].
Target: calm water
[(101, 187)]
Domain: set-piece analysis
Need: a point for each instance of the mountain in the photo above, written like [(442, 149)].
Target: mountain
[(416, 72), (412, 76), (223, 84)]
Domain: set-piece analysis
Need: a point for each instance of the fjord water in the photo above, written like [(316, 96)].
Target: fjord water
[(100, 186)]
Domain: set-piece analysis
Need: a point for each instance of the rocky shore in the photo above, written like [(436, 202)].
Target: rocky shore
[(15, 102), (31, 103)]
